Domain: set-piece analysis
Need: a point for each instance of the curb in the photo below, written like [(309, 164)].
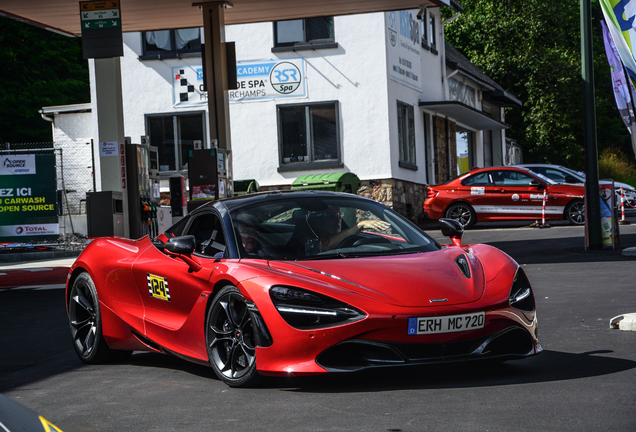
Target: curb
[(630, 251), (37, 255)]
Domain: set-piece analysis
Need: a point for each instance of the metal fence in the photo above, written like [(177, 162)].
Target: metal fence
[(74, 168)]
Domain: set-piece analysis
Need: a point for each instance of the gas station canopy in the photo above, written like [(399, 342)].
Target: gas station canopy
[(63, 16)]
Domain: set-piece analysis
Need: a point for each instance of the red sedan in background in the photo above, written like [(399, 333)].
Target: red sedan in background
[(504, 193)]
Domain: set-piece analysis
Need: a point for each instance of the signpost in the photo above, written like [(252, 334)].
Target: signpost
[(101, 29)]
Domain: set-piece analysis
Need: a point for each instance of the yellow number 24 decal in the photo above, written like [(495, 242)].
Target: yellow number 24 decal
[(158, 287)]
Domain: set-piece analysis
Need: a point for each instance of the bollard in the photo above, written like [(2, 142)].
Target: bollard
[(623, 221), (543, 224)]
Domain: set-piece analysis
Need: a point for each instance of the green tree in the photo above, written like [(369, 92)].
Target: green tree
[(532, 48), (41, 69)]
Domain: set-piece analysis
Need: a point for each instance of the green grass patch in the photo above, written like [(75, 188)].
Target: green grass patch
[(617, 166)]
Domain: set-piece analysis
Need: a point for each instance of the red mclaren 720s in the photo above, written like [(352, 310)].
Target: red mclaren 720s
[(299, 283)]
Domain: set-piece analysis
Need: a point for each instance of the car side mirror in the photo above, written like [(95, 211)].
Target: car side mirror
[(453, 229), (538, 184), (182, 247)]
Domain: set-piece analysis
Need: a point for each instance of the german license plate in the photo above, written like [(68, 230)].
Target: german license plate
[(446, 324)]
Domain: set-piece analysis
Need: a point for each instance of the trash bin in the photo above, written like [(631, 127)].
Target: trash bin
[(336, 182), (242, 187)]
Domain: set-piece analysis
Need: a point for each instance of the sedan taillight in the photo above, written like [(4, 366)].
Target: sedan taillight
[(431, 193)]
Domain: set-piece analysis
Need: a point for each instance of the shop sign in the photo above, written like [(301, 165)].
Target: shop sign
[(404, 47), (17, 164), (256, 80)]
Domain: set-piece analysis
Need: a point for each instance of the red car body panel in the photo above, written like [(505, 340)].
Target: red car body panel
[(503, 202)]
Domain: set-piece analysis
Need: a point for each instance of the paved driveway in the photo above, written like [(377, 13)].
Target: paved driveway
[(584, 381)]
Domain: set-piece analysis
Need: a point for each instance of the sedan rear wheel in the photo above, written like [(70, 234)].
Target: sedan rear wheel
[(575, 212), (86, 324), (463, 213), (230, 339)]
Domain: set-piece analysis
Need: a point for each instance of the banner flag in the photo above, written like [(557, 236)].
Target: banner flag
[(620, 17), (620, 84)]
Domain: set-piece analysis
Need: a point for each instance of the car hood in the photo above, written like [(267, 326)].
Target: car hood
[(570, 189), (625, 186), (416, 280)]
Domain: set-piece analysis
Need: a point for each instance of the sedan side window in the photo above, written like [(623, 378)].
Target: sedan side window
[(207, 231), (480, 179), (513, 178), (555, 175)]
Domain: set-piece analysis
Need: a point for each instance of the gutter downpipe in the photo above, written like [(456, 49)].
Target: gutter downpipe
[(48, 119), (445, 83)]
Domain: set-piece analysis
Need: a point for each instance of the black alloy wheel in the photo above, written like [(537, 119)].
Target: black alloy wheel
[(575, 212), (85, 322), (230, 339), (462, 213)]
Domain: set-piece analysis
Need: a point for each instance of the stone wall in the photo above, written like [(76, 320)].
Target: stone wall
[(405, 198)]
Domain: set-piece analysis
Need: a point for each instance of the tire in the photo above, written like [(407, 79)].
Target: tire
[(575, 212), (85, 321), (463, 213), (230, 339)]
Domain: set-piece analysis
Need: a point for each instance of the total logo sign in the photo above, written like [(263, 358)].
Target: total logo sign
[(29, 230), (33, 229)]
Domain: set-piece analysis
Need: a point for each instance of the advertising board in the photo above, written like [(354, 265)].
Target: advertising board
[(256, 80), (28, 198)]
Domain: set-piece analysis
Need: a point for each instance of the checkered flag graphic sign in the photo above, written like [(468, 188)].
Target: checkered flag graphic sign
[(188, 86)]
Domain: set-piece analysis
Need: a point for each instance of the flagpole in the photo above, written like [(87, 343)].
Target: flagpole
[(593, 202)]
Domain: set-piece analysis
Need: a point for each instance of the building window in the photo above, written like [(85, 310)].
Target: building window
[(465, 141), (406, 135), (461, 92), (432, 40), (309, 33), (424, 31), (170, 43), (174, 137), (308, 136)]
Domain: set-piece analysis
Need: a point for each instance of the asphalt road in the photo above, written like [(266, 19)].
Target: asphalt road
[(585, 380)]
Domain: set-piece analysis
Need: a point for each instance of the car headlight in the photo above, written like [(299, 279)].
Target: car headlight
[(306, 310), (521, 296)]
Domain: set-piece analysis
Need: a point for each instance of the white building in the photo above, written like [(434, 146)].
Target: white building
[(379, 95)]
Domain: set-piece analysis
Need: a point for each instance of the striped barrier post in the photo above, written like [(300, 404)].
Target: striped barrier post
[(543, 224), (623, 221)]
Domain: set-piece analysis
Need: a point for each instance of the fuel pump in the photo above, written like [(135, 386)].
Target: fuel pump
[(142, 172), (210, 176)]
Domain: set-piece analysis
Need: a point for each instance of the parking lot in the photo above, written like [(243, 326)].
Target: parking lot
[(583, 381)]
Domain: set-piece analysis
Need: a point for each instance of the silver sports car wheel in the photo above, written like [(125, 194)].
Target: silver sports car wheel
[(575, 212), (463, 213), (230, 339)]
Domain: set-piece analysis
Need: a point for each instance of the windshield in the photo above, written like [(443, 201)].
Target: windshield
[(546, 179), (318, 227)]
